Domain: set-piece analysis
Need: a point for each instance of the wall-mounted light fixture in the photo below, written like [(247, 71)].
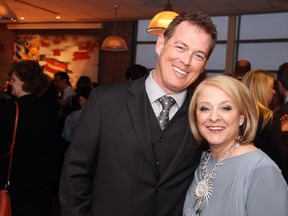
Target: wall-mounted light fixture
[(160, 21), (114, 43), (7, 15)]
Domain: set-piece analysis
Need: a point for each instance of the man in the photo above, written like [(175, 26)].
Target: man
[(282, 77), (65, 93), (120, 162), (64, 108), (241, 68), (63, 85)]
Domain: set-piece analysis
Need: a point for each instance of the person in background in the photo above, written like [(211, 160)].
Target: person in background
[(65, 93), (284, 124), (234, 177), (269, 137), (241, 68), (95, 84), (282, 78), (31, 172), (129, 156), (277, 99), (135, 72), (73, 118), (83, 82), (49, 96)]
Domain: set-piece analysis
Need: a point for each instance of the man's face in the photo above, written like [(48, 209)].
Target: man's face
[(182, 58), (60, 84)]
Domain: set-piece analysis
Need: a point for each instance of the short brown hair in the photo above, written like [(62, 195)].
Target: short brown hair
[(31, 73), (200, 19), (282, 75)]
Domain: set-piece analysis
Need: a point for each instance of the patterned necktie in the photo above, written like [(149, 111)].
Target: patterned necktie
[(167, 103)]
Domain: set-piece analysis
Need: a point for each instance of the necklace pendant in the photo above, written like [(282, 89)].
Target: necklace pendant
[(203, 190)]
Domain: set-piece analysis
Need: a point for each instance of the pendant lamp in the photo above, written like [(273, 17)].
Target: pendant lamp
[(114, 43), (7, 15), (160, 21)]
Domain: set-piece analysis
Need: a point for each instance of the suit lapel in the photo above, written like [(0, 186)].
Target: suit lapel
[(137, 105)]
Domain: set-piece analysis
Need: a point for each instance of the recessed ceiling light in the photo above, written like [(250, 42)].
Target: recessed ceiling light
[(58, 17), (22, 18)]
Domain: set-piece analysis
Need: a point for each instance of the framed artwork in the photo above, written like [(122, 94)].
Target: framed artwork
[(78, 55)]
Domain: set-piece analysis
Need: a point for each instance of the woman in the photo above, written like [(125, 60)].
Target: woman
[(31, 174), (269, 137), (234, 177)]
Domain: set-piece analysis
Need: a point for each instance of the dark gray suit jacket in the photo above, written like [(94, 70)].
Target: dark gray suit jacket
[(110, 168)]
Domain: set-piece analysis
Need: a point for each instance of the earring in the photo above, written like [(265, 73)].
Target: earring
[(241, 120)]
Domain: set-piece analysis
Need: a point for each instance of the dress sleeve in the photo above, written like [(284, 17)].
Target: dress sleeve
[(268, 192)]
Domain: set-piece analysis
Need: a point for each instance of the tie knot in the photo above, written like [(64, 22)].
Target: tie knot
[(167, 102)]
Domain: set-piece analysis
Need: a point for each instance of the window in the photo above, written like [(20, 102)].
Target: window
[(261, 38)]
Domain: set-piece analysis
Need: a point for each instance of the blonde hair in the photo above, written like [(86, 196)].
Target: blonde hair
[(239, 95), (258, 82)]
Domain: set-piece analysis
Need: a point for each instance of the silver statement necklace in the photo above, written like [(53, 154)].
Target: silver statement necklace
[(204, 189)]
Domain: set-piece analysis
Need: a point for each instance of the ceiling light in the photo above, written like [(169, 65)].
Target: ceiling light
[(114, 43), (160, 21), (7, 15)]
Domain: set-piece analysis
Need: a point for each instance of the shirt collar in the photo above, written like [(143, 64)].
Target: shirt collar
[(154, 91)]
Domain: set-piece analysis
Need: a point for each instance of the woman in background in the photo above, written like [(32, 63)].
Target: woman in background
[(31, 172), (269, 137)]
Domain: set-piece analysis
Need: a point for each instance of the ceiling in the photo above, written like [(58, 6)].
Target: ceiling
[(103, 10)]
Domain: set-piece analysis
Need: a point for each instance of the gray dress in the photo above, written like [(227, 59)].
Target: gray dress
[(247, 185)]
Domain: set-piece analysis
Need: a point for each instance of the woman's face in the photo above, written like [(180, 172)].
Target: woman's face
[(16, 85), (218, 118)]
